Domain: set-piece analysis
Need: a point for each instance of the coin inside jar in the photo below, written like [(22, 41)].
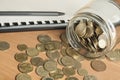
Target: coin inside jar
[(81, 28)]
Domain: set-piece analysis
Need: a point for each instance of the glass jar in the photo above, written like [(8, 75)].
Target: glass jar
[(94, 30)]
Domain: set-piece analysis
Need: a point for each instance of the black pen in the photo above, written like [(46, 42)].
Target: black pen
[(31, 13)]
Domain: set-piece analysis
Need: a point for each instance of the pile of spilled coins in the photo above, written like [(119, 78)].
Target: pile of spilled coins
[(58, 53)]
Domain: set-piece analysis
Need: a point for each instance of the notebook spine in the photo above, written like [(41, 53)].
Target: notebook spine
[(33, 25)]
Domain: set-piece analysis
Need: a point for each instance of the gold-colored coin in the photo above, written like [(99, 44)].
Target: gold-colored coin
[(82, 72), (89, 77), (67, 61), (37, 61), (83, 42), (23, 76), (98, 65), (53, 54), (91, 45), (50, 65), (22, 47), (77, 65), (50, 46), (94, 42), (114, 55), (80, 29), (65, 44), (98, 30), (32, 52), (40, 71), (20, 57), (40, 47), (68, 71), (25, 67), (71, 78), (74, 54), (89, 29), (59, 61), (4, 45), (58, 74), (63, 52), (63, 38), (57, 44), (47, 78), (43, 38)]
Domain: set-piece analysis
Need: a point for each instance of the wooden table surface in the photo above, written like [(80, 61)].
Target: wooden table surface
[(8, 65)]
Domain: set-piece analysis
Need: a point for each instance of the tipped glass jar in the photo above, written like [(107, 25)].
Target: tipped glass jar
[(94, 30)]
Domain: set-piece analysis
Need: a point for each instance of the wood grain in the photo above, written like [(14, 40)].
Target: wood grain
[(8, 65)]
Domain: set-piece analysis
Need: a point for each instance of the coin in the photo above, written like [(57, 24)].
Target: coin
[(22, 47), (67, 61), (50, 65), (74, 54), (89, 29), (43, 38), (98, 30), (98, 65), (114, 55), (25, 67), (4, 45), (90, 45), (68, 71), (65, 44), (94, 42), (89, 77), (23, 76), (53, 54), (83, 42), (58, 74), (32, 52), (40, 71), (37, 61), (63, 52), (82, 72), (53, 45), (59, 61), (20, 57), (80, 29), (63, 38), (57, 44), (71, 78), (102, 41), (40, 47), (47, 78), (50, 46), (77, 65)]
